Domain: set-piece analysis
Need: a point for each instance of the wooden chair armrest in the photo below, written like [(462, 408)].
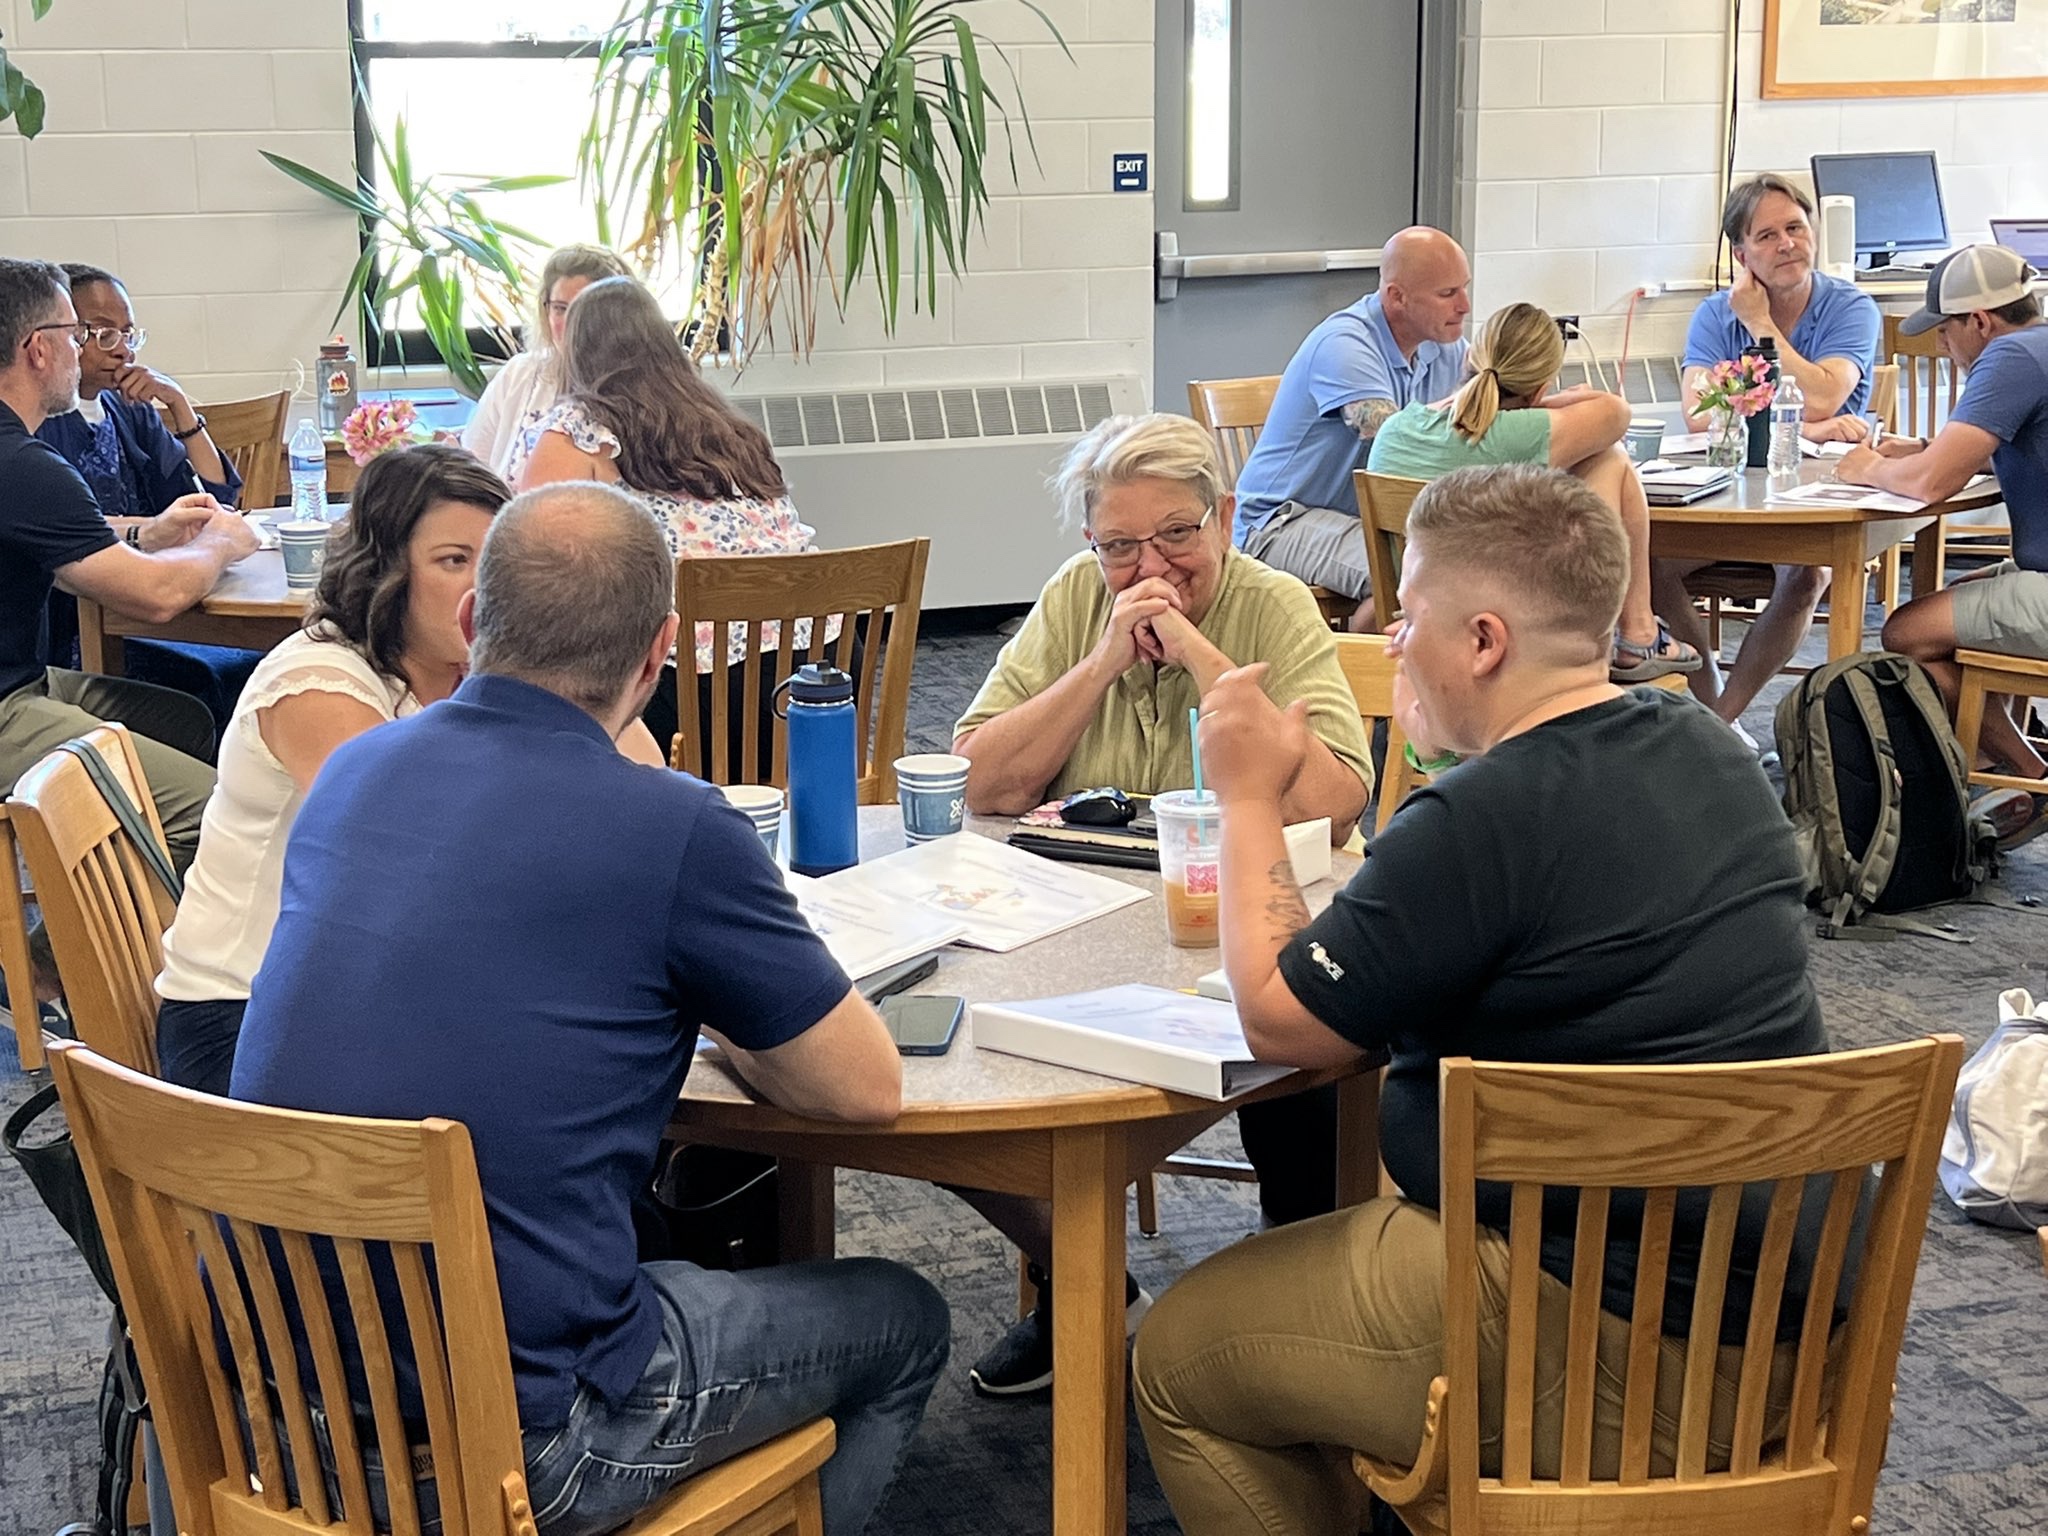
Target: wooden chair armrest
[(1403, 1488)]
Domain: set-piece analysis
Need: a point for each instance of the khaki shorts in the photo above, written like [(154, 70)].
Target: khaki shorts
[(2006, 611), (1325, 548)]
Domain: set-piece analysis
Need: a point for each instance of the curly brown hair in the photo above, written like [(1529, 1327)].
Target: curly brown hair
[(623, 364), (366, 580)]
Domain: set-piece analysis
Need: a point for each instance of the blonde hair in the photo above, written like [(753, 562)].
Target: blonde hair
[(1120, 449), (595, 262), (1518, 353), (1541, 532)]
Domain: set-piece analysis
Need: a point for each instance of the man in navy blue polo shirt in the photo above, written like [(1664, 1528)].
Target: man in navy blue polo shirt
[(488, 914)]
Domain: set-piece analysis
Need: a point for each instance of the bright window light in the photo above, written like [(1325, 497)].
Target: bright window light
[(1212, 104)]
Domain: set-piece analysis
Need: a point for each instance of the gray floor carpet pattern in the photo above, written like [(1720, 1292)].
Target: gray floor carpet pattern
[(1969, 1442)]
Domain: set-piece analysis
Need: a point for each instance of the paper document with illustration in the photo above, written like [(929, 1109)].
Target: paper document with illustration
[(1001, 897), (864, 935), (1141, 1033), (1840, 493)]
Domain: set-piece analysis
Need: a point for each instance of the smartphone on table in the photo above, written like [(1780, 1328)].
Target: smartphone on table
[(922, 1025)]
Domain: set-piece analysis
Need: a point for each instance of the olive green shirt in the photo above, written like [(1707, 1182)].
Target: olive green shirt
[(1138, 740)]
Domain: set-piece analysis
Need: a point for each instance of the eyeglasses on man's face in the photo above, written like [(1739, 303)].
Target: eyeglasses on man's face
[(110, 338), (78, 332), (1174, 539)]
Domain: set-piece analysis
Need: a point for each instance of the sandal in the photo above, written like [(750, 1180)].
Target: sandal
[(1632, 663), (2016, 816)]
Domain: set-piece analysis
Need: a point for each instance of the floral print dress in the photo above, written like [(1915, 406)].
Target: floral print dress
[(733, 525)]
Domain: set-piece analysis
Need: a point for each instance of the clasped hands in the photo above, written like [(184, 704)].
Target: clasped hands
[(1146, 624), (190, 516)]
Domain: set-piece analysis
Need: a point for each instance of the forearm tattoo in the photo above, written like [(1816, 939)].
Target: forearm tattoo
[(1365, 416), (1283, 901)]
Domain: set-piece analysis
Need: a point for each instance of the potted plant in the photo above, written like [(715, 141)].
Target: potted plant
[(778, 150), (21, 99)]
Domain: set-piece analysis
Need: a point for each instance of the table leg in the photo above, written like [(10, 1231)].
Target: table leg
[(805, 1209), (1088, 1331), (1358, 1138), (98, 651), (1930, 557), (1848, 592)]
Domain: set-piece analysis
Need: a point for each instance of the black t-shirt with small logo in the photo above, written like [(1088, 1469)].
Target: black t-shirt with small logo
[(48, 518)]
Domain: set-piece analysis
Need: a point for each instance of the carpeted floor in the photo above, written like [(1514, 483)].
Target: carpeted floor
[(1969, 1442)]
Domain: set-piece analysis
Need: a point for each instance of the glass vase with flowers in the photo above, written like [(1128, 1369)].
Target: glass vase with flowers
[(1731, 393)]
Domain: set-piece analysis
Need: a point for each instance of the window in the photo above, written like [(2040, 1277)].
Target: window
[(1212, 105)]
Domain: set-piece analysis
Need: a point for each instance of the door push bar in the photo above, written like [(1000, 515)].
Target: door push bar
[(1171, 269)]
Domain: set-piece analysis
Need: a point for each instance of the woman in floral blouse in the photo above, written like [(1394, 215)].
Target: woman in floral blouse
[(636, 414)]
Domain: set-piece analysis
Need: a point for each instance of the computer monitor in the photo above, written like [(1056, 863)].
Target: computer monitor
[(1898, 199), (2027, 236)]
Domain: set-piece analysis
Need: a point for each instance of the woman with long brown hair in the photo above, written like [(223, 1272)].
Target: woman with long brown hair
[(635, 413)]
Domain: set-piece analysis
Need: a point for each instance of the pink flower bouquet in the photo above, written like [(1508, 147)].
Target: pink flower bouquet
[(1742, 388), (378, 425)]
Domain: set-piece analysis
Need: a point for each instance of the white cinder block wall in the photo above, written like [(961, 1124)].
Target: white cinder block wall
[(149, 166), (1591, 133)]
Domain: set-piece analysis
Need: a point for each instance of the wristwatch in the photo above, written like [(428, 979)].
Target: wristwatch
[(198, 426), (132, 535)]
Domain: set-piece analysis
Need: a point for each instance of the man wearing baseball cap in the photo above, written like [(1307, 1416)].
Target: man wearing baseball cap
[(1981, 302)]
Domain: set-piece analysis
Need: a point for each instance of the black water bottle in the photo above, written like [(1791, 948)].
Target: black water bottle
[(1760, 423)]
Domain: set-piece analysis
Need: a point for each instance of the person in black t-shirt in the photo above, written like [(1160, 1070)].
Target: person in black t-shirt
[(1606, 878), (52, 532)]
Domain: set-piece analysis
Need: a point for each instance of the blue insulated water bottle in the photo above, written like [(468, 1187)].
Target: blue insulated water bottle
[(824, 831)]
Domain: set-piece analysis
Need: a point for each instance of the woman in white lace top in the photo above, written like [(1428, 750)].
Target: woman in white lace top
[(634, 412)]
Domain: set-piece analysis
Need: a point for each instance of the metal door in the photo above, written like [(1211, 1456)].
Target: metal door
[(1324, 107)]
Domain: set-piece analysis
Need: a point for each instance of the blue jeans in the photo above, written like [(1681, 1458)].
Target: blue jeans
[(746, 1356), (195, 1042)]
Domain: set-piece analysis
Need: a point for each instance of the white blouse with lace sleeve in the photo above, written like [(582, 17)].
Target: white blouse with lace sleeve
[(212, 950)]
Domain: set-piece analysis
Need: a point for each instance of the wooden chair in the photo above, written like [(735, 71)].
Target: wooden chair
[(1234, 411), (179, 1178), (1922, 407), (875, 591), (16, 963), (1383, 503), (1657, 1130), (1986, 673), (105, 912), (250, 434)]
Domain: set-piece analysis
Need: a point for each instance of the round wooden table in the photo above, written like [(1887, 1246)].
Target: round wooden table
[(999, 1122), (249, 607), (1744, 524)]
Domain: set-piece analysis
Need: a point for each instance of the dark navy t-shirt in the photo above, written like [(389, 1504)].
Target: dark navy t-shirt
[(48, 519), (2007, 396), (489, 915)]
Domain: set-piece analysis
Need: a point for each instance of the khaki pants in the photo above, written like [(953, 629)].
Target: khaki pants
[(1260, 1371), (173, 737)]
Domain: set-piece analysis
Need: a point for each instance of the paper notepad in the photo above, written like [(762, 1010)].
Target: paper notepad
[(1191, 1045), (865, 936)]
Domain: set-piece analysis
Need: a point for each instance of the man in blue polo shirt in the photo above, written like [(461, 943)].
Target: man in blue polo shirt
[(1297, 509), (488, 914), (1825, 331), (1983, 305)]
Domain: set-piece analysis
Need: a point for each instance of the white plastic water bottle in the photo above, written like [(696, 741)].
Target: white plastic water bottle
[(1788, 410), (309, 474)]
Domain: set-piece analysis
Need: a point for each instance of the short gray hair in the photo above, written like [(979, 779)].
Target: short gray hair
[(1740, 210), (1120, 449), (29, 290), (573, 584)]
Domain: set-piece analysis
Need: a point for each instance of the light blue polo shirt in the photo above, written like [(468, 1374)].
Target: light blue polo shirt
[(1305, 451), (1840, 320), (2007, 396)]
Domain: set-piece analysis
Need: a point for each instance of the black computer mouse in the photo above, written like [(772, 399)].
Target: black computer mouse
[(1097, 808)]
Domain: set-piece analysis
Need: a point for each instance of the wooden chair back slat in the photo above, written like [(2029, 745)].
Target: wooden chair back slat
[(1920, 361), (1525, 1248), (430, 1358), (1234, 411), (1646, 1334), (104, 911), (1370, 672), (1767, 1298), (1771, 1129), (374, 1347), (325, 1347), (1383, 503), (874, 590), (16, 966), (1703, 1343), (225, 1275), (1582, 1343), (1884, 395), (250, 435), (284, 1363)]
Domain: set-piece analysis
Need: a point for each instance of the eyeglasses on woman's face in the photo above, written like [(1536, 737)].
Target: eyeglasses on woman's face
[(1176, 538)]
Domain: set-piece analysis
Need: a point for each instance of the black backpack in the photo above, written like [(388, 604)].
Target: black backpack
[(1878, 793)]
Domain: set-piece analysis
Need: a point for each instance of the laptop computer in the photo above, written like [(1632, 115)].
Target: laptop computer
[(1681, 485), (2027, 236)]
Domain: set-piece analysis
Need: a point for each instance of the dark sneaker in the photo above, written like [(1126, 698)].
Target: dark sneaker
[(1020, 1362)]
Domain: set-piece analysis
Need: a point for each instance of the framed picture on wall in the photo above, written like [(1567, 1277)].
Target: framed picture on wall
[(1904, 47)]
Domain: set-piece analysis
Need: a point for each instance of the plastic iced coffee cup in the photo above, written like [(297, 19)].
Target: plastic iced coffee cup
[(1190, 845)]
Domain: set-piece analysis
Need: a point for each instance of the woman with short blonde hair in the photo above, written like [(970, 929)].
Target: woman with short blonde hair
[(521, 392), (1508, 412)]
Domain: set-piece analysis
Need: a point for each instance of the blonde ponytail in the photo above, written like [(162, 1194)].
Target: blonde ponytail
[(1517, 354)]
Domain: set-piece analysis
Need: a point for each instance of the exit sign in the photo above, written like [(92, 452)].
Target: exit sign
[(1130, 173)]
